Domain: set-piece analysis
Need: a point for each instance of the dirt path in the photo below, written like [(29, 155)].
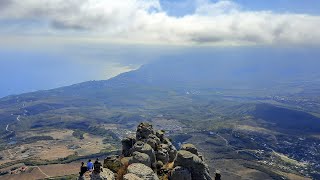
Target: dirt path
[(10, 153), (42, 171), (227, 142)]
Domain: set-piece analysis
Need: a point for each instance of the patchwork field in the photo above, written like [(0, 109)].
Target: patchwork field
[(62, 145)]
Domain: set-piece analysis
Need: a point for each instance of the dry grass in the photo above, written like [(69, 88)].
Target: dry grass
[(55, 152), (123, 170), (253, 129), (289, 160), (60, 169)]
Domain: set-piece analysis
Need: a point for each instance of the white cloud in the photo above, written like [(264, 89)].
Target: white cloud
[(223, 22)]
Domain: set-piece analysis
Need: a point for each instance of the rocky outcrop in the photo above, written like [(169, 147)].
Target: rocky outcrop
[(152, 156)]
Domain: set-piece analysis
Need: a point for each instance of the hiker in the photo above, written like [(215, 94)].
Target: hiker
[(90, 165), (97, 166), (83, 169)]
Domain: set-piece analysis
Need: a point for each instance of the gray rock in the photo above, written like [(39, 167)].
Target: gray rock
[(144, 130), (131, 176), (154, 137), (172, 153), (162, 155), (159, 165), (127, 144), (144, 148), (113, 163), (167, 141), (180, 173), (139, 157), (106, 174), (142, 171), (198, 169), (189, 147), (160, 134), (95, 176), (153, 143)]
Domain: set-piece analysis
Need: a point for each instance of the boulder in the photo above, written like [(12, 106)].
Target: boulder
[(131, 176), (153, 143), (144, 148), (142, 171), (95, 176), (106, 174), (154, 137), (163, 146), (167, 141), (198, 169), (139, 157), (113, 163), (127, 144), (180, 173), (160, 134), (159, 165), (144, 130), (172, 153), (189, 147), (162, 155)]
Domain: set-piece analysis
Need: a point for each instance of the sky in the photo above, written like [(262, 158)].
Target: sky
[(51, 43)]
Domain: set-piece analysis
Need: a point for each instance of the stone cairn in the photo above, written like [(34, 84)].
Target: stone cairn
[(151, 156)]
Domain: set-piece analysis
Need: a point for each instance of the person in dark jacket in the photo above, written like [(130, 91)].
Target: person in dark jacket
[(83, 169), (97, 166)]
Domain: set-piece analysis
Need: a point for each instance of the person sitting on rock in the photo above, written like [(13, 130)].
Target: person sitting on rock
[(97, 166), (83, 169), (90, 165)]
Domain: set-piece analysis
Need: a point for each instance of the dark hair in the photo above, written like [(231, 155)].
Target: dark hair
[(89, 160), (82, 163)]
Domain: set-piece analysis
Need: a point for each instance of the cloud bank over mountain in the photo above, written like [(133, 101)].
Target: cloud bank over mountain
[(145, 21)]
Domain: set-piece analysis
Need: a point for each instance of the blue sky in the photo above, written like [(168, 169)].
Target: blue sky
[(46, 44), (183, 7)]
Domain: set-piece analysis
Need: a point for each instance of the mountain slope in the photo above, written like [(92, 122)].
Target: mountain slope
[(169, 83)]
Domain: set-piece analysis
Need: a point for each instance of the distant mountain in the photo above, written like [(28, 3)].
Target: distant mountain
[(248, 70)]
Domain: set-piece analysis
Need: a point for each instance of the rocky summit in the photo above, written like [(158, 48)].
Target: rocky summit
[(152, 156)]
